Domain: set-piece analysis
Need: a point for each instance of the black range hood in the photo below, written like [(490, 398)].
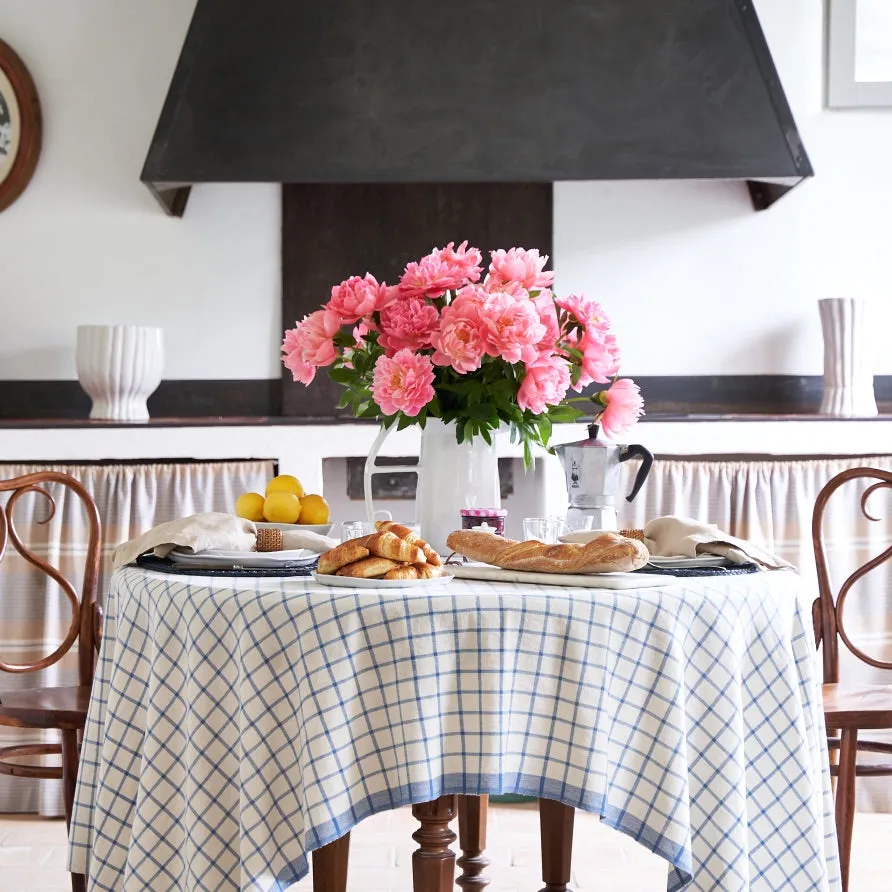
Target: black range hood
[(410, 91)]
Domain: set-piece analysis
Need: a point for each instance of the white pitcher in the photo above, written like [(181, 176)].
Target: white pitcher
[(451, 476)]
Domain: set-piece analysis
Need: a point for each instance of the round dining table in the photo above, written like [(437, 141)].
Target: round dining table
[(238, 725)]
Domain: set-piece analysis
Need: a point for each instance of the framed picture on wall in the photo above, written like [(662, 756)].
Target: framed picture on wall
[(20, 126)]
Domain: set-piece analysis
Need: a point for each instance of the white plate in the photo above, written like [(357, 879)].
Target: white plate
[(349, 582), (212, 558), (681, 563), (322, 528)]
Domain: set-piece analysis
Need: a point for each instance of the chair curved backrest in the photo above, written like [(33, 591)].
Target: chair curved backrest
[(828, 612), (83, 609)]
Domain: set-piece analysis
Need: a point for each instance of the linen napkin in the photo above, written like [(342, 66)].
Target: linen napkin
[(683, 536), (211, 530)]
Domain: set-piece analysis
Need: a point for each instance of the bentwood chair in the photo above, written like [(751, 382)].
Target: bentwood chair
[(849, 708), (60, 708)]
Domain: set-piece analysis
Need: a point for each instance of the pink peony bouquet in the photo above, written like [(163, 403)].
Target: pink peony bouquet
[(478, 350)]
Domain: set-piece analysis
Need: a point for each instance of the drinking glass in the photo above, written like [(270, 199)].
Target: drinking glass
[(545, 529), (353, 529)]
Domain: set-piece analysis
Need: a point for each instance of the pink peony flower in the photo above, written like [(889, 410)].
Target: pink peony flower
[(544, 384), (442, 270), (361, 330), (600, 360), (460, 342), (407, 323), (310, 345), (511, 327), (623, 407), (523, 267), (547, 311), (403, 382), (357, 297), (588, 313)]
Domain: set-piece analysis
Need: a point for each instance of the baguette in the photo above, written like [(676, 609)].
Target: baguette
[(607, 553)]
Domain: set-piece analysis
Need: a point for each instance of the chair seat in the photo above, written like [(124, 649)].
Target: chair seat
[(858, 706), (64, 708)]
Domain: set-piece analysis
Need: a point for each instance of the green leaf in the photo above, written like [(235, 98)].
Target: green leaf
[(341, 376)]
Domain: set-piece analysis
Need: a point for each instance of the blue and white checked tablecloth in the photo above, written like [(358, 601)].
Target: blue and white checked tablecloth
[(238, 724)]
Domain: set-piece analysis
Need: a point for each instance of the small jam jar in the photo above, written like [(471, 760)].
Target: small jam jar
[(490, 519)]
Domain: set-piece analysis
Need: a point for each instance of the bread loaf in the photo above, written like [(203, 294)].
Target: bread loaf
[(606, 553)]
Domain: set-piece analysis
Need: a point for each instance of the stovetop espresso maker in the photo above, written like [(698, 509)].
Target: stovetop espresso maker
[(592, 470)]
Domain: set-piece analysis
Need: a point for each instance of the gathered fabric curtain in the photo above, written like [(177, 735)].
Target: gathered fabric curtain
[(770, 500), (34, 612)]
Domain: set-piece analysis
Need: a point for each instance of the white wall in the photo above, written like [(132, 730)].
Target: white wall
[(696, 281), (86, 243)]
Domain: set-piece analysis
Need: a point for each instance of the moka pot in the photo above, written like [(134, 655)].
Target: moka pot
[(592, 470)]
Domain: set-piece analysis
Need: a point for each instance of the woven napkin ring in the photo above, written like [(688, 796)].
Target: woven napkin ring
[(629, 534), (268, 540)]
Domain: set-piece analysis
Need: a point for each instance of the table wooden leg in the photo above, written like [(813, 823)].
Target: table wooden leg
[(330, 866), (472, 813), (433, 863), (845, 800), (556, 837)]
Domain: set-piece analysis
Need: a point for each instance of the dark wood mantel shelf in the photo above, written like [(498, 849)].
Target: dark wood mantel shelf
[(284, 421)]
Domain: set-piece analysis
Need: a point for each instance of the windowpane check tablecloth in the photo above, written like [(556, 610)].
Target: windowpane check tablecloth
[(237, 724)]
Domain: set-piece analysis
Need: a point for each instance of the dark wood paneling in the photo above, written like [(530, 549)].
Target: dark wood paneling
[(330, 232), (692, 397)]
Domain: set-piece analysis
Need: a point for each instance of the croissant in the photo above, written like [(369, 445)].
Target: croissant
[(407, 535), (389, 545), (606, 553)]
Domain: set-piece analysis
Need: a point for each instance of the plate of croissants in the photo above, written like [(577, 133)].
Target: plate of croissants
[(392, 557)]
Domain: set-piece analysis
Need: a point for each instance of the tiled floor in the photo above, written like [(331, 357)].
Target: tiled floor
[(32, 855)]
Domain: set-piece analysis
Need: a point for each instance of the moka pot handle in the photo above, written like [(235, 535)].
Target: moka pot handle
[(647, 460)]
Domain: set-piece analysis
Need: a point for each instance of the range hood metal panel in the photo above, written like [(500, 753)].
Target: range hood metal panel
[(486, 90)]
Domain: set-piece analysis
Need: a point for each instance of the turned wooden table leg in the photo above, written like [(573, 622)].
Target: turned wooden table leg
[(556, 836), (330, 866), (472, 811), (433, 863)]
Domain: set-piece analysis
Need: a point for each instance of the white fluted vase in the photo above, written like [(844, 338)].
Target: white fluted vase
[(120, 367), (848, 375)]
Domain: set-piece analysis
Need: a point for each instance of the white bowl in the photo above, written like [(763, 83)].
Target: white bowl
[(323, 529)]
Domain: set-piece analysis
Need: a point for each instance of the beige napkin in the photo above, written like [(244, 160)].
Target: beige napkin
[(200, 532), (684, 536)]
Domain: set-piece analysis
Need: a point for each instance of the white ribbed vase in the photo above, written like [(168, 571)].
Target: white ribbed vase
[(120, 367), (848, 377)]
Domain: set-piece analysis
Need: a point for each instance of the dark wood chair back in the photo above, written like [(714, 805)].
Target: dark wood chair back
[(828, 609), (83, 626)]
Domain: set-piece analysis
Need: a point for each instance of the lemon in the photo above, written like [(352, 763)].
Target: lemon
[(281, 507), (314, 509), (285, 483), (250, 506)]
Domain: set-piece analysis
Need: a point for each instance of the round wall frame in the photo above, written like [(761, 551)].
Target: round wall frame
[(20, 126)]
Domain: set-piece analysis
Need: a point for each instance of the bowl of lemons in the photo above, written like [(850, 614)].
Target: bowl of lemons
[(285, 506)]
